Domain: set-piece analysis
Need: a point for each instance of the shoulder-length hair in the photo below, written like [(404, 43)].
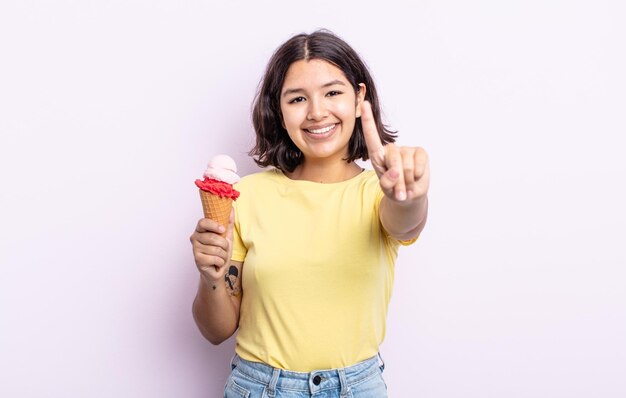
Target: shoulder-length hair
[(273, 145)]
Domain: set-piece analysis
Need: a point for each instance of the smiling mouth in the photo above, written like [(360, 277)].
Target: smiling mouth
[(321, 131)]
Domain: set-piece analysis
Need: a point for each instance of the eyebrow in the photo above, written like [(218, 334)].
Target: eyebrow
[(301, 90)]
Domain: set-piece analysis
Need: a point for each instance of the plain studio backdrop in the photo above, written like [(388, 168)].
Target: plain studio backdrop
[(110, 109)]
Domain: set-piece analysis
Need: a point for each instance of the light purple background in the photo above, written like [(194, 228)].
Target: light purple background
[(110, 109)]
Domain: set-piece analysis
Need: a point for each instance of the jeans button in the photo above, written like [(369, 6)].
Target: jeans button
[(317, 380)]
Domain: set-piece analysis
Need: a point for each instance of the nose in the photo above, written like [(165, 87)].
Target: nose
[(317, 110)]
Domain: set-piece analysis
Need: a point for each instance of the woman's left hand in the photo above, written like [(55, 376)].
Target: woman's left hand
[(403, 172)]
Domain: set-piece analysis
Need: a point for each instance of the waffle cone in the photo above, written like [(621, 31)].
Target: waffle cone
[(216, 208)]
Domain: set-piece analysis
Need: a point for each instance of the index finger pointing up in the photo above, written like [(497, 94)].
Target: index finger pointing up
[(374, 145)]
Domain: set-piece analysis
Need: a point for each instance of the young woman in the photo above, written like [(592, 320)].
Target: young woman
[(305, 270)]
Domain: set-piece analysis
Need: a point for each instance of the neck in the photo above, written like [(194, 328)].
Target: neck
[(323, 172)]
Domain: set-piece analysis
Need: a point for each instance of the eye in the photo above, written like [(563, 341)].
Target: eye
[(333, 93), (294, 100)]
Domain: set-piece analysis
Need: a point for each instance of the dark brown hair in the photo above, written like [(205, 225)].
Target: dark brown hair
[(273, 145)]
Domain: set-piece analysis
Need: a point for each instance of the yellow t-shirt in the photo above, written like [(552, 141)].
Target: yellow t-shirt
[(318, 270)]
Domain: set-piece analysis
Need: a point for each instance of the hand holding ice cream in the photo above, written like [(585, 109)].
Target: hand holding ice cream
[(212, 239)]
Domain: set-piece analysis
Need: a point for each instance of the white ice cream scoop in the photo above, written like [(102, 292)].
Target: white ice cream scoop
[(222, 168)]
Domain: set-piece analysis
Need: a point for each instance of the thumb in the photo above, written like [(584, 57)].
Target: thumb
[(231, 226), (228, 235)]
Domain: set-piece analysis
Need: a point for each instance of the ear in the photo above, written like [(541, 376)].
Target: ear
[(360, 96)]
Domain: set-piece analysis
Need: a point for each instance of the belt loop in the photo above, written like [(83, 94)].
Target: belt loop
[(382, 366), (271, 388), (234, 362), (344, 383)]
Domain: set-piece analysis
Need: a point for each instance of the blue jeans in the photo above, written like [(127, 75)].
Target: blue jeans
[(258, 380)]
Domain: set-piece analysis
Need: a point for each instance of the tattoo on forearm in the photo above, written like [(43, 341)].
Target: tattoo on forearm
[(232, 280)]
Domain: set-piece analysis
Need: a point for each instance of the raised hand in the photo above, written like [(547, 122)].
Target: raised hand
[(403, 172)]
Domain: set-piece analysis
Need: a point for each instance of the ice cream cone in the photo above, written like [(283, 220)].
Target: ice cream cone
[(216, 189), (216, 208)]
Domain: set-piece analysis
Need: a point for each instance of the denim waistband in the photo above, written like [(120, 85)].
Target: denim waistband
[(314, 381)]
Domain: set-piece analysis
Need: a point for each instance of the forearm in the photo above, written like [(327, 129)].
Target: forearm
[(215, 313), (404, 220)]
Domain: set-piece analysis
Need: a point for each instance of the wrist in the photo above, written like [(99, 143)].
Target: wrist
[(211, 283), (415, 202)]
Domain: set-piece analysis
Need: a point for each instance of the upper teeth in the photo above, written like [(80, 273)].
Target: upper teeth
[(322, 130)]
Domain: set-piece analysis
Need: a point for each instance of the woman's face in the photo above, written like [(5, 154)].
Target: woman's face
[(319, 108)]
